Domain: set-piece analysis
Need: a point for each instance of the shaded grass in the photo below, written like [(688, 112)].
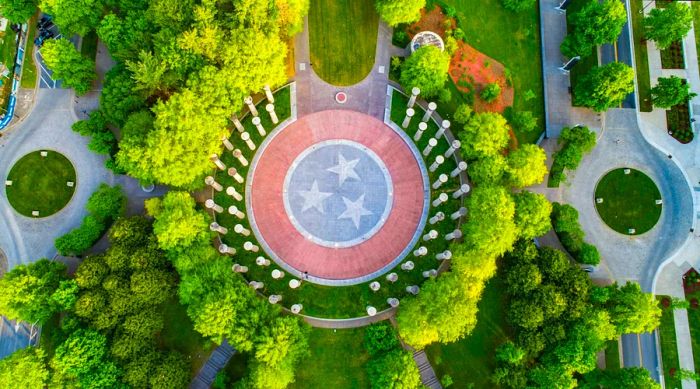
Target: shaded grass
[(669, 349), (694, 320), (179, 335), (641, 57), (514, 40), (472, 359), (88, 47), (9, 52), (629, 201), (586, 63), (39, 183), (612, 355), (29, 75), (336, 361), (343, 39)]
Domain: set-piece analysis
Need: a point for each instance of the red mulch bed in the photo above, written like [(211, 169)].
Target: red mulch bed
[(691, 282)]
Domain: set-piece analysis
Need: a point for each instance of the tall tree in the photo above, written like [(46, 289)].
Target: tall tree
[(631, 310), (426, 69), (532, 211), (74, 16), (396, 12), (290, 15), (604, 87), (84, 356), (17, 11), (25, 368), (486, 134), (526, 166), (668, 24), (394, 370), (69, 65), (596, 23), (630, 377), (671, 91), (178, 224)]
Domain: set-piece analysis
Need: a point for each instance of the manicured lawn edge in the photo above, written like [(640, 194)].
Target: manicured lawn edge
[(669, 349), (29, 75), (612, 355), (694, 321)]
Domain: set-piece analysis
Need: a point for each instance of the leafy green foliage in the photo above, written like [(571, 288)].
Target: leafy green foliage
[(632, 310), (74, 16), (630, 377), (668, 24), (571, 235), (177, 224), (575, 143), (490, 92), (523, 121), (532, 211), (395, 369), (526, 166), (118, 98), (396, 12), (486, 134), (605, 86), (671, 91), (25, 368), (84, 357), (518, 5), (69, 65), (596, 23), (17, 11), (426, 69), (380, 338)]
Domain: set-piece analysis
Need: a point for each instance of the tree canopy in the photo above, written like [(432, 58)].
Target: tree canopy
[(68, 65), (670, 91), (426, 69), (17, 11), (486, 134), (25, 368), (596, 23), (605, 86), (396, 12), (668, 24)]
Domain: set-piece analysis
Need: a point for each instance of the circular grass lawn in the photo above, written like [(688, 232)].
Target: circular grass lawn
[(629, 201), (40, 183)]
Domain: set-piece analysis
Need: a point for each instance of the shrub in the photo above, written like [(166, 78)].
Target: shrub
[(491, 92), (571, 235), (380, 338), (523, 122), (463, 113)]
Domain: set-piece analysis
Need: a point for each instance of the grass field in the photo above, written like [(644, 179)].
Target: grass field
[(629, 201), (343, 39), (512, 39), (669, 349), (39, 183), (336, 361), (612, 355), (694, 320), (641, 57), (472, 360), (179, 334), (29, 68), (88, 47)]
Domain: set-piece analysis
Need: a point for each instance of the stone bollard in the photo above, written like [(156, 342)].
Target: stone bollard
[(631, 231), (239, 268), (431, 143), (393, 302), (220, 165), (375, 286), (421, 129), (599, 200), (440, 181), (227, 143), (658, 201), (407, 266), (270, 108), (459, 213), (237, 123), (296, 308), (233, 172), (464, 189), (392, 277), (251, 107), (441, 131), (407, 120), (441, 199), (210, 204), (258, 124), (456, 234), (462, 166), (224, 249), (371, 311), (231, 191), (262, 261), (245, 137), (214, 226), (440, 216), (429, 273), (432, 234), (294, 283), (453, 147), (238, 154), (277, 274), (239, 229), (274, 298), (447, 254), (413, 289), (249, 246), (233, 210), (209, 180), (420, 251), (429, 113), (268, 94), (256, 285), (439, 160), (627, 171), (414, 95)]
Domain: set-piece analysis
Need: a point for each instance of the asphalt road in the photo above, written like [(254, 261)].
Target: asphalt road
[(620, 51)]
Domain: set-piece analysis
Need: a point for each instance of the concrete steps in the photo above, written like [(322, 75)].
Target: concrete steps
[(217, 361), (427, 374)]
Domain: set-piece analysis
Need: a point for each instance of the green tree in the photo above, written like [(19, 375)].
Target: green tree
[(118, 98), (491, 227), (490, 92), (107, 203), (575, 141), (526, 166), (34, 292), (172, 371), (127, 35), (517, 5), (74, 16), (290, 15), (605, 86), (395, 369), (523, 122), (631, 310), (510, 353), (84, 356), (486, 134), (668, 24), (426, 69), (532, 212), (177, 223), (17, 11), (69, 65), (596, 23), (380, 338), (488, 170), (396, 12), (79, 240), (629, 377), (463, 114), (671, 91), (24, 368)]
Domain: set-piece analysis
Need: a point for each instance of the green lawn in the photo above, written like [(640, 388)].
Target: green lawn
[(694, 320), (343, 39), (336, 361), (586, 63), (472, 360), (669, 349), (39, 183), (629, 201), (641, 57), (612, 355), (88, 47), (179, 335), (29, 76), (512, 39)]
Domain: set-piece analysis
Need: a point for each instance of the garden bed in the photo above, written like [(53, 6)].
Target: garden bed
[(678, 123), (672, 57)]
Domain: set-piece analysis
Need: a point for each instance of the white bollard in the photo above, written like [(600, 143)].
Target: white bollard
[(238, 154), (392, 277), (441, 131), (459, 213), (429, 273), (239, 229), (393, 302), (233, 172), (447, 254), (464, 189), (237, 123), (227, 143), (420, 252), (413, 289), (214, 226), (371, 311), (296, 308), (407, 266), (407, 120), (231, 191), (256, 285), (249, 246), (453, 147), (239, 268), (462, 166), (421, 129), (225, 249), (456, 234), (233, 210), (215, 158), (294, 283), (274, 298), (262, 261), (258, 124), (210, 204), (245, 137), (270, 108), (374, 286), (440, 181), (439, 160), (277, 274), (432, 234), (431, 143), (414, 95), (441, 199), (429, 113), (440, 216), (251, 107), (209, 180), (268, 94)]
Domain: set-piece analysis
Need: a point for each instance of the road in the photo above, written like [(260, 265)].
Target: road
[(620, 51)]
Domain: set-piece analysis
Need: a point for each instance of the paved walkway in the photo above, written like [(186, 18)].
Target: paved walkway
[(427, 374), (217, 361)]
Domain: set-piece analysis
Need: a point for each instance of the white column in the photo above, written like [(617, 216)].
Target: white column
[(440, 216), (233, 172), (422, 126), (277, 274), (227, 143), (461, 212), (239, 268), (224, 249), (268, 94), (453, 147), (439, 160), (464, 189), (237, 123), (393, 302), (413, 289), (256, 285), (262, 261), (392, 277), (231, 191), (429, 113), (441, 199), (440, 181), (456, 234), (251, 107), (270, 108), (245, 137), (217, 228), (249, 246), (238, 154), (210, 204), (462, 166), (429, 273), (233, 210), (239, 229), (215, 158), (258, 124), (414, 95), (407, 266), (407, 120), (447, 254), (420, 251), (371, 311), (209, 180), (294, 283), (296, 308), (374, 286), (274, 298), (432, 234), (431, 143), (441, 131)]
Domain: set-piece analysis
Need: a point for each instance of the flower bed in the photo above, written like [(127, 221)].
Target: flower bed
[(678, 123), (672, 57)]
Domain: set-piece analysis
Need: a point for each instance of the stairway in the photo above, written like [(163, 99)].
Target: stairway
[(427, 374), (217, 361)]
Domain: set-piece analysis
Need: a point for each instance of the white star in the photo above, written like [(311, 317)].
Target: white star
[(313, 198), (354, 210), (345, 169)]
